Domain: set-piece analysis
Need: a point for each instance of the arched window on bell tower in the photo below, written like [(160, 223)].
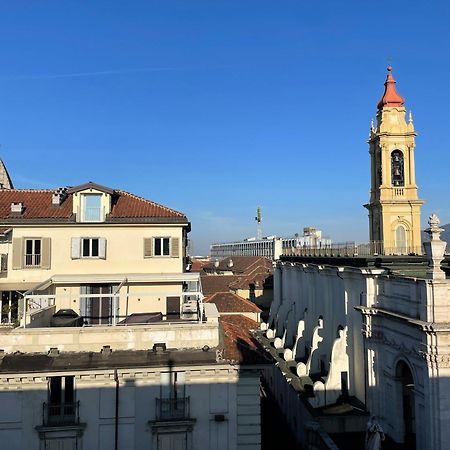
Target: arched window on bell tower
[(400, 240), (397, 168)]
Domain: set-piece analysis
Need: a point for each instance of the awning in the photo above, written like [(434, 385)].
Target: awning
[(16, 286)]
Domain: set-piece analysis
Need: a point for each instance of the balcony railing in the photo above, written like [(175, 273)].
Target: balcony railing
[(349, 249), (172, 408), (32, 260), (58, 414)]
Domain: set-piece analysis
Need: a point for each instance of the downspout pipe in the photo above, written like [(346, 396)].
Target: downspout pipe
[(116, 421)]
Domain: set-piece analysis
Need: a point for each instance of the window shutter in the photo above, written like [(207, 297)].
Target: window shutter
[(175, 250), (76, 248), (17, 253), (102, 248), (148, 247), (46, 253)]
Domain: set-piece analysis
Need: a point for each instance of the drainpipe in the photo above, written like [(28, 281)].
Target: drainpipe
[(116, 423)]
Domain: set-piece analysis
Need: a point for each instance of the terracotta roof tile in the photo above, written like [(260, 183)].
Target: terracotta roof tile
[(238, 341), (37, 204), (217, 283), (233, 303), (242, 264)]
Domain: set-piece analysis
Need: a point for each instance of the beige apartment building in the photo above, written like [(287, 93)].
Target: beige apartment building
[(105, 342), (105, 254)]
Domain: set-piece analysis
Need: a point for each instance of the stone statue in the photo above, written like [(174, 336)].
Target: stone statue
[(374, 434)]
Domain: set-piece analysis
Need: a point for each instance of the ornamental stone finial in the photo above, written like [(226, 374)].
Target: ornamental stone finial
[(434, 221), (435, 249)]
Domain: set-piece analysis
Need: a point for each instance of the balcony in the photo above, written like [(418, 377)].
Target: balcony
[(172, 409), (60, 414)]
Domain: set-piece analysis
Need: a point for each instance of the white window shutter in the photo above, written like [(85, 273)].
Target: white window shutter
[(175, 244), (17, 253), (45, 253), (148, 247), (76, 248), (102, 248)]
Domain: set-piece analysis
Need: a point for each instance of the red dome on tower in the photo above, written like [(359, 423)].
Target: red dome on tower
[(390, 97)]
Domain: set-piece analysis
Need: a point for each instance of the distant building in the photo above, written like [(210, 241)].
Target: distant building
[(249, 277), (270, 247)]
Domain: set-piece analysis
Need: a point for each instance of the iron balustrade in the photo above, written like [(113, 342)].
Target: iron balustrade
[(349, 249), (172, 408), (32, 259), (58, 414)]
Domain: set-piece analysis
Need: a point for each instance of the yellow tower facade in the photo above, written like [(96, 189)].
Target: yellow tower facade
[(394, 208)]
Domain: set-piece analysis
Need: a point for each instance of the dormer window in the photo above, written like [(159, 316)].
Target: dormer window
[(92, 208)]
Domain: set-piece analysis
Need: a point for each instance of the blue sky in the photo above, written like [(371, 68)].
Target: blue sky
[(215, 107)]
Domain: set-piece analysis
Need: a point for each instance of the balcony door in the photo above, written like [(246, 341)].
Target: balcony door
[(97, 305), (175, 441)]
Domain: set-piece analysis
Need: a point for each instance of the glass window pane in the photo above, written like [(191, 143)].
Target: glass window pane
[(166, 246), (94, 247), (86, 247), (29, 246), (37, 247), (158, 246), (92, 207)]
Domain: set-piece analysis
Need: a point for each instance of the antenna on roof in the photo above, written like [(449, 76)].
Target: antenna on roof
[(258, 219)]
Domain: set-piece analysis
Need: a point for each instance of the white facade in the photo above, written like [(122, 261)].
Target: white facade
[(383, 339)]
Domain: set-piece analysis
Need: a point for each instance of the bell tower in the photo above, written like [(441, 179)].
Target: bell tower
[(394, 208)]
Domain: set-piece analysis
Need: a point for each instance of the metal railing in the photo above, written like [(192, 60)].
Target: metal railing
[(60, 414), (172, 408), (351, 249), (32, 259)]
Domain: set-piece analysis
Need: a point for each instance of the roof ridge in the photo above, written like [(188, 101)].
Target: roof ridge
[(26, 190), (138, 197)]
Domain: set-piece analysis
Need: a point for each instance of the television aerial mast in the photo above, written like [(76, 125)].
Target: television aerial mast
[(258, 219)]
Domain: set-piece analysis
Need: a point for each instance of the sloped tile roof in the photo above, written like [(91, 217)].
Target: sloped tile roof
[(37, 205), (242, 264), (238, 341), (232, 303), (217, 283)]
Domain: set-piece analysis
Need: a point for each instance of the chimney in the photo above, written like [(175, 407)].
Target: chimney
[(59, 196), (17, 208)]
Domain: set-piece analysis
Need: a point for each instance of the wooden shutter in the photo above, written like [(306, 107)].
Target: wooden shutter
[(175, 247), (17, 253), (75, 248), (102, 248), (45, 253), (148, 247)]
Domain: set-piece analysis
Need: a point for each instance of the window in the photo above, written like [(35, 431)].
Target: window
[(9, 306), (401, 240), (61, 407), (398, 177), (32, 252), (173, 404), (102, 307), (162, 247), (92, 207), (89, 248)]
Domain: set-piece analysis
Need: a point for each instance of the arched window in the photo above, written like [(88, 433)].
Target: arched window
[(400, 240), (397, 168)]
